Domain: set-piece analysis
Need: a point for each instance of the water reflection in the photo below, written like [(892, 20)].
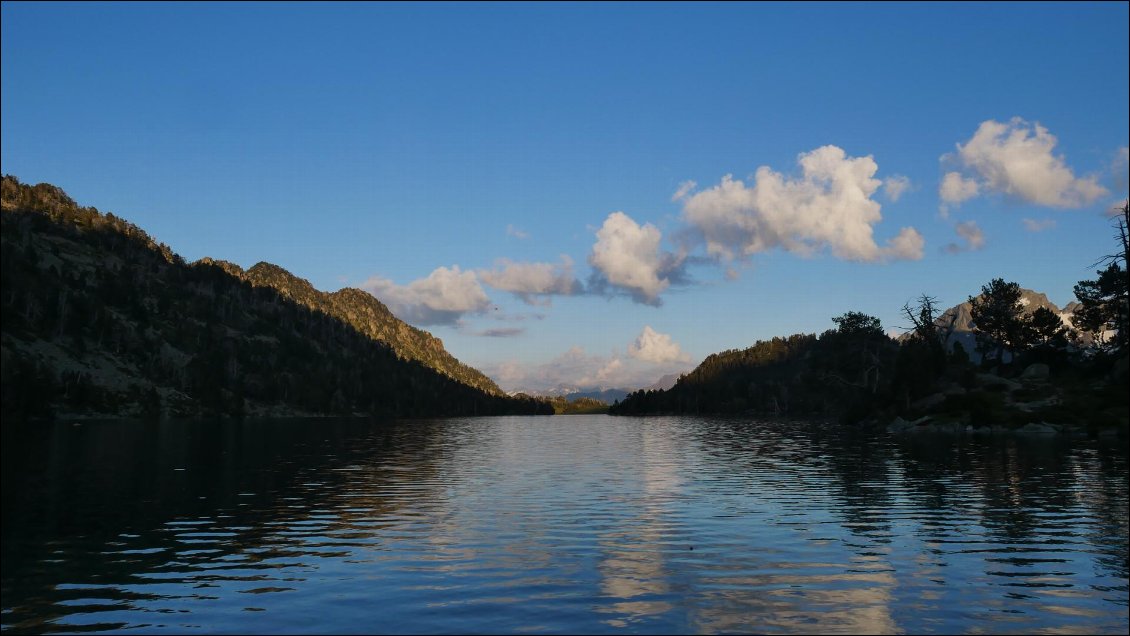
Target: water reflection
[(634, 577), (579, 524)]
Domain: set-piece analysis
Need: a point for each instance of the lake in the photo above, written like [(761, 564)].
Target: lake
[(558, 524)]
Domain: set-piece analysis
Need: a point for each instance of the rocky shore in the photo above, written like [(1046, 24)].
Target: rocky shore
[(1035, 402)]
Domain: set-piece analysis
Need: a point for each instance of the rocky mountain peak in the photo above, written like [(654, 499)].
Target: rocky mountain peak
[(956, 323)]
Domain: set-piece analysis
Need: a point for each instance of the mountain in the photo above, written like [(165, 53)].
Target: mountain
[(857, 373), (664, 383), (100, 319), (608, 396), (571, 393), (367, 315), (802, 375), (956, 323)]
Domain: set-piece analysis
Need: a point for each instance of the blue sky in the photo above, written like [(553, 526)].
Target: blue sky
[(465, 163)]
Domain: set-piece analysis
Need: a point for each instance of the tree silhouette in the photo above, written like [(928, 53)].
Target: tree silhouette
[(923, 318), (1105, 301), (854, 350), (922, 357), (999, 321), (1047, 328), (858, 323)]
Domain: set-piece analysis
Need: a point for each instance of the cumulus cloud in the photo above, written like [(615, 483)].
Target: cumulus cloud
[(955, 188), (652, 346), (829, 206), (972, 236), (628, 257), (1034, 225), (683, 190), (572, 369), (531, 281), (608, 372), (907, 245), (440, 299), (895, 186), (1016, 159), (516, 232)]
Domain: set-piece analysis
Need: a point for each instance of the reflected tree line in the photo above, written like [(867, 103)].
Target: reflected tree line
[(1017, 488), (110, 504), (102, 496)]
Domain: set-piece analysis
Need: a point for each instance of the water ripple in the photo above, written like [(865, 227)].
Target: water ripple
[(579, 524)]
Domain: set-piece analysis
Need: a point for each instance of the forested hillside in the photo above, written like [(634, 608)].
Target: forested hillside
[(100, 319), (846, 370), (1034, 365)]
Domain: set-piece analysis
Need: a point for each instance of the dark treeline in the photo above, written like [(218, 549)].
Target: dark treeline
[(562, 405), (855, 372), (848, 370), (99, 318)]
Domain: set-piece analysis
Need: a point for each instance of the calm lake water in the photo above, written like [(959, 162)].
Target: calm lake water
[(558, 524)]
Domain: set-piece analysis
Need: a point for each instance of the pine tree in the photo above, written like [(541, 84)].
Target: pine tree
[(999, 321), (1105, 301)]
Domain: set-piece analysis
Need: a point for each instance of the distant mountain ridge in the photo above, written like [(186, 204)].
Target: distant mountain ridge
[(956, 323), (664, 383), (99, 319), (368, 315), (603, 394), (577, 393), (608, 396), (851, 372)]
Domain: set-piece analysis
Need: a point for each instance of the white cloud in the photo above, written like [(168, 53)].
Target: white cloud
[(608, 372), (572, 369), (907, 245), (1016, 159), (516, 232), (895, 186), (829, 206), (652, 346), (441, 298), (956, 188), (683, 190), (1034, 225), (971, 234), (627, 256), (528, 281), (509, 375)]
